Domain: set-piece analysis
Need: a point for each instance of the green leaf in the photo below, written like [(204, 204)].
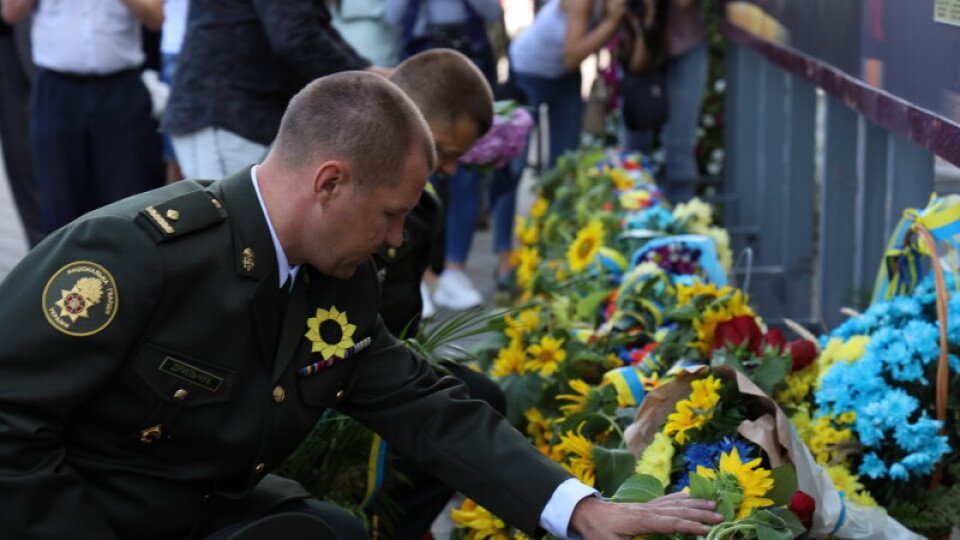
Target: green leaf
[(726, 357), (765, 532), (701, 488), (521, 392), (613, 467), (790, 520), (593, 423), (784, 484), (725, 508), (686, 313), (588, 306), (770, 372), (639, 488)]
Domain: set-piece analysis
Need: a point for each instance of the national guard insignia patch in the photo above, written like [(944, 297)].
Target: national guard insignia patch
[(81, 299)]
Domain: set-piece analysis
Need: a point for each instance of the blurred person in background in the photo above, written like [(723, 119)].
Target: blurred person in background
[(91, 130), (685, 66), (240, 63), (171, 39), (459, 25), (16, 73), (363, 26), (545, 62)]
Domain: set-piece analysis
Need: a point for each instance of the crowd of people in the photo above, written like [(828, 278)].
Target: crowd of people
[(249, 300)]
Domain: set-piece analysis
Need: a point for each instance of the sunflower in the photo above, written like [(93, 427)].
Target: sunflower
[(579, 399), (695, 412), (706, 325), (527, 232), (585, 246), (581, 463), (539, 208), (479, 521), (509, 361), (547, 356), (539, 428), (686, 293), (529, 260), (330, 332), (754, 481)]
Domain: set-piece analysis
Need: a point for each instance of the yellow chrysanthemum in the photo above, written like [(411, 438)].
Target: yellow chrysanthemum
[(797, 386), (545, 357), (539, 207), (529, 260), (579, 399), (580, 453), (822, 435), (657, 459), (509, 361), (479, 521), (330, 332), (698, 212), (850, 485), (538, 427), (585, 246), (755, 481)]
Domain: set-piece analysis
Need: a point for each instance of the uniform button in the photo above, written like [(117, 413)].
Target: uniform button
[(180, 394), (259, 468), (151, 434), (339, 395), (279, 394), (206, 497), (392, 252)]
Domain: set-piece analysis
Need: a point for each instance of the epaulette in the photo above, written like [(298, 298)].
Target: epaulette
[(184, 214)]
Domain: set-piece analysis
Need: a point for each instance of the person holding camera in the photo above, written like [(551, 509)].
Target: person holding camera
[(545, 61)]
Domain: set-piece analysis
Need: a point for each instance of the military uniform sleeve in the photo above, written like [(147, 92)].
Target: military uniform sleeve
[(464, 442), (71, 310), (300, 32)]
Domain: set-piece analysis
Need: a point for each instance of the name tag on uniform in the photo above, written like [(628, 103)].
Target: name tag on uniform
[(191, 374)]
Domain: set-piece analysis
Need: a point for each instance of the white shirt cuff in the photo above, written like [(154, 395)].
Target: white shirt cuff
[(556, 515)]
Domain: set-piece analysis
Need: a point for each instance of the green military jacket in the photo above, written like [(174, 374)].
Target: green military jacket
[(148, 381)]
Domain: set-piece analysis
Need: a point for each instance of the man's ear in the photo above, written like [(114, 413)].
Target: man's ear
[(330, 178)]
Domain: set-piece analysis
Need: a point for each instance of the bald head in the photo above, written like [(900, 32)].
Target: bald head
[(446, 85), (357, 117)]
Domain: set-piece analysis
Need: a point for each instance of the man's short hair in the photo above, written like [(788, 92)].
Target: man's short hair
[(446, 84), (358, 117)]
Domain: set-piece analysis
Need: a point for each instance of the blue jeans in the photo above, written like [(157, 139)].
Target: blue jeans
[(503, 201), (462, 208), (686, 80), (565, 105), (168, 68)]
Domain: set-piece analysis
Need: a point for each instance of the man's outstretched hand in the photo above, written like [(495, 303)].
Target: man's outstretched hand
[(595, 519)]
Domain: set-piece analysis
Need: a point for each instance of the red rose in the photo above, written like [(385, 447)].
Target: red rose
[(739, 331), (774, 338), (803, 506), (803, 352)]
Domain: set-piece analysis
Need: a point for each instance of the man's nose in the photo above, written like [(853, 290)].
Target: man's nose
[(395, 236)]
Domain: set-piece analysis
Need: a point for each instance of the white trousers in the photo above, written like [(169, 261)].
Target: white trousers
[(213, 153)]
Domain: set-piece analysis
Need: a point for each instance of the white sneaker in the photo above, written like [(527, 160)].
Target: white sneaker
[(428, 309), (455, 291)]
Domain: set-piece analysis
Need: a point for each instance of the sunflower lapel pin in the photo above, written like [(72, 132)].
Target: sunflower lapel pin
[(331, 335)]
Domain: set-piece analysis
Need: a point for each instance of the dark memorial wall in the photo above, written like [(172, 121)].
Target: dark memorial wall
[(895, 61)]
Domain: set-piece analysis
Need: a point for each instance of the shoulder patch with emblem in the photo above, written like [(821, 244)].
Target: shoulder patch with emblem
[(81, 299), (182, 215)]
